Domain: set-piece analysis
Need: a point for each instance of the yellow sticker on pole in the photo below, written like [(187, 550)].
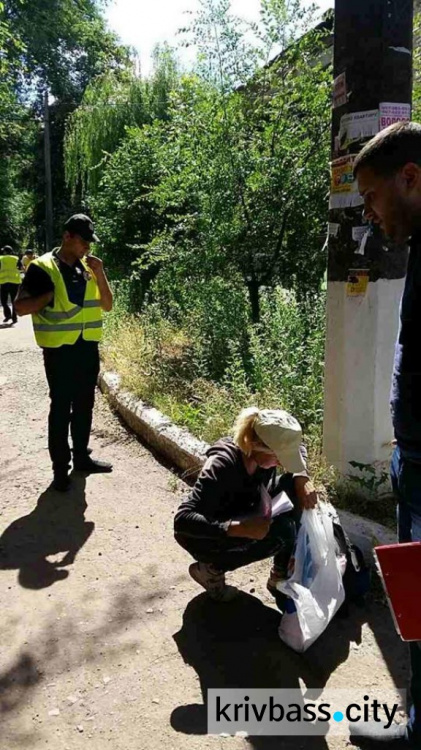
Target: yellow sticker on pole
[(343, 187), (357, 283), (342, 175)]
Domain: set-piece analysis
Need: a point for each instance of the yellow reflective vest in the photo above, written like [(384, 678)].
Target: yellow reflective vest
[(64, 322), (9, 272)]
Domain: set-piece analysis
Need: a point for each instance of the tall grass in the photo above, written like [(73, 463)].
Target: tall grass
[(203, 372)]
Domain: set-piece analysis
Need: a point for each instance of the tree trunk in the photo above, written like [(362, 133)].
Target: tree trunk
[(254, 297)]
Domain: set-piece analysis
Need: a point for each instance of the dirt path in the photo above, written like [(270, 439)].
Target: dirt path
[(115, 646)]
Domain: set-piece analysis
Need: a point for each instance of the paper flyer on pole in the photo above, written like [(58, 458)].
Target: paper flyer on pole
[(391, 113), (339, 91), (344, 189), (357, 126)]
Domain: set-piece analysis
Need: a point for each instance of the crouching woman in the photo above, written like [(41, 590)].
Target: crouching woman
[(221, 523)]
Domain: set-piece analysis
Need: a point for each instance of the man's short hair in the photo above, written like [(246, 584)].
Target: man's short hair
[(391, 149)]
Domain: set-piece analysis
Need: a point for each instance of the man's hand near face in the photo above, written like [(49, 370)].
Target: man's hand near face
[(97, 267)]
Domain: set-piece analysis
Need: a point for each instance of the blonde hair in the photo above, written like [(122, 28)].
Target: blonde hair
[(244, 433)]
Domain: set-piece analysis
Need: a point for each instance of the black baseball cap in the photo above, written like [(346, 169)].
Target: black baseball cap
[(83, 226)]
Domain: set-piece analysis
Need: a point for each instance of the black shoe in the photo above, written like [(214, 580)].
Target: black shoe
[(6, 320), (372, 734), (84, 454), (92, 465), (14, 320), (61, 481)]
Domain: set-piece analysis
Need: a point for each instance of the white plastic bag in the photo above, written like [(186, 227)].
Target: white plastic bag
[(315, 587)]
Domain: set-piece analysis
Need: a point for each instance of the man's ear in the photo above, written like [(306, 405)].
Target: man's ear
[(411, 174)]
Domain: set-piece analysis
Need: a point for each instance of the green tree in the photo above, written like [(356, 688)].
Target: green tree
[(241, 179), (245, 176), (112, 105), (64, 44), (59, 45)]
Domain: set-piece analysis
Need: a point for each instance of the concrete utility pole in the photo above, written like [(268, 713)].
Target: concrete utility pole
[(373, 88), (48, 182)]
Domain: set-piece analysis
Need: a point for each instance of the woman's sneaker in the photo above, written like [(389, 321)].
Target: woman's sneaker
[(213, 581), (276, 576)]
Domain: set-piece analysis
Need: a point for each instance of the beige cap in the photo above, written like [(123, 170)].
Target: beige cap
[(283, 435)]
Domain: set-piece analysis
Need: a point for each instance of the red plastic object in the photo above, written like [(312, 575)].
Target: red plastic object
[(400, 569)]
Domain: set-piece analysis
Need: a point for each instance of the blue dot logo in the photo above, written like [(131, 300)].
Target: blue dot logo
[(338, 716)]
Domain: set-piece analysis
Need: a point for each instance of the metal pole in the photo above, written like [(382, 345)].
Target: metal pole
[(48, 182)]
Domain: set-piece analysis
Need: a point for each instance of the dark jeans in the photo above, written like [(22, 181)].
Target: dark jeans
[(6, 291), (72, 373), (406, 483), (231, 553)]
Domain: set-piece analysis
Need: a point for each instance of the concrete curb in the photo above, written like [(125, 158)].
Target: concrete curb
[(173, 443), (186, 452)]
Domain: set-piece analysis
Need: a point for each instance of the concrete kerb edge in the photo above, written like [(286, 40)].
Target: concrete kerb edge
[(186, 452), (174, 443)]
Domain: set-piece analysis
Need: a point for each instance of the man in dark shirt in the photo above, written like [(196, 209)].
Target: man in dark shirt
[(388, 170), (65, 292)]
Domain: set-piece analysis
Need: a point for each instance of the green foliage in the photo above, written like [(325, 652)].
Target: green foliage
[(212, 215), (165, 363), (63, 45), (10, 110), (370, 478), (126, 215), (54, 45), (237, 180), (112, 106)]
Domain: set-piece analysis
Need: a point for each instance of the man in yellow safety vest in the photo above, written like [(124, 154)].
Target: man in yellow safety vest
[(9, 282), (66, 291)]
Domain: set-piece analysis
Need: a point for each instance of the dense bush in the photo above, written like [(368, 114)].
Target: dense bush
[(164, 363)]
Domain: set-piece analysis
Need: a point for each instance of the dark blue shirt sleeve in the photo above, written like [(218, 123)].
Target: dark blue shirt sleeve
[(37, 282)]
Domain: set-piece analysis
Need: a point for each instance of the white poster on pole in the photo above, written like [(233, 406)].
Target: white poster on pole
[(340, 96), (391, 113), (357, 126)]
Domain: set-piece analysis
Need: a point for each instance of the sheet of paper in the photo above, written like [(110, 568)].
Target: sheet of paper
[(358, 126), (266, 503), (391, 112), (333, 229), (344, 188), (269, 507), (281, 504), (359, 232), (339, 91)]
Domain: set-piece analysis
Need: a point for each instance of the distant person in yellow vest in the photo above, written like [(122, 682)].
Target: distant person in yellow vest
[(66, 291), (26, 259), (9, 282)]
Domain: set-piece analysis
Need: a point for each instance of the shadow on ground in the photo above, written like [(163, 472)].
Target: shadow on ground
[(57, 525), (236, 645)]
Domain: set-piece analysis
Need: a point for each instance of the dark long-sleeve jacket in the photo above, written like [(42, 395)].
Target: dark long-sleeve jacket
[(223, 491)]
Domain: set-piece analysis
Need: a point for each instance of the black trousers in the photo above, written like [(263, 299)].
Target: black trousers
[(72, 373), (6, 291), (231, 553)]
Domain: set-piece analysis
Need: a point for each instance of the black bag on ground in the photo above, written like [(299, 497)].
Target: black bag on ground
[(356, 578)]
